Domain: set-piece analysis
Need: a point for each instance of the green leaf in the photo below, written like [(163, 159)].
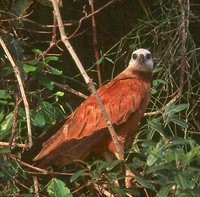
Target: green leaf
[(59, 93), (54, 70), (45, 81), (57, 188), (4, 150), (4, 94), (2, 115), (39, 120), (112, 164), (109, 60), (99, 61), (193, 153), (49, 112), (180, 122), (183, 182), (32, 62), (176, 108), (51, 58), (29, 68), (157, 126), (151, 159), (153, 91), (7, 123), (76, 175), (157, 69), (37, 51), (145, 183), (158, 167), (164, 191)]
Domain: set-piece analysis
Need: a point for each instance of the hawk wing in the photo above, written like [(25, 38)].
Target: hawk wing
[(121, 98)]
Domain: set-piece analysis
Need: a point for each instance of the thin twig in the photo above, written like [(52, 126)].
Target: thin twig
[(21, 88), (95, 42), (183, 43), (173, 100), (15, 116), (13, 145), (100, 9), (41, 170), (103, 190), (69, 89), (36, 186), (90, 15), (13, 178), (53, 40), (116, 141)]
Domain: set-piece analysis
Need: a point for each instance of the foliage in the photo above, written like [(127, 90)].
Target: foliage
[(164, 156)]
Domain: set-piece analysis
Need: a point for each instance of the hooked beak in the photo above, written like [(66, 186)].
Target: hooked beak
[(141, 58)]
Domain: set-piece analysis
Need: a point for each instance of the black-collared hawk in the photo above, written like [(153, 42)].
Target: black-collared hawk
[(125, 99)]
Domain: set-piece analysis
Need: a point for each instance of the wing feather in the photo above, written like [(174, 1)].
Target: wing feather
[(121, 98)]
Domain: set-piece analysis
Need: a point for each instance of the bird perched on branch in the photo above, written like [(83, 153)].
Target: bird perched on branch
[(125, 99)]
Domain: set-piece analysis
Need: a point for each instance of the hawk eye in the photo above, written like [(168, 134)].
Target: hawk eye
[(134, 56), (148, 56)]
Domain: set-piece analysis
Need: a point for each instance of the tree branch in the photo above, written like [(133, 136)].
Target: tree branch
[(95, 42), (22, 91), (116, 141)]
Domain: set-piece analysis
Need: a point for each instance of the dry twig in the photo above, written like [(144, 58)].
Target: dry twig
[(13, 145), (22, 91), (69, 89), (116, 141), (95, 42), (36, 186), (173, 100), (183, 43)]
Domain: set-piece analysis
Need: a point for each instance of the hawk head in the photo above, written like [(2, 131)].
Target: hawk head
[(141, 59)]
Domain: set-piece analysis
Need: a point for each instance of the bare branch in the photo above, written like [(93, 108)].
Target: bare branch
[(173, 100), (36, 186), (13, 145), (95, 42), (116, 141), (22, 91), (69, 89), (183, 43)]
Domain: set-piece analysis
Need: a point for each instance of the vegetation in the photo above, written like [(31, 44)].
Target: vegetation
[(164, 156)]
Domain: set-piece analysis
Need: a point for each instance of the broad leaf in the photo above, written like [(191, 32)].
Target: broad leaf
[(4, 94), (29, 68), (57, 188)]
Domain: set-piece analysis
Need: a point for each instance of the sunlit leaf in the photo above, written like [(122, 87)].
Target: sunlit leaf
[(37, 51), (29, 68), (57, 188), (54, 70), (7, 123), (51, 58), (59, 93)]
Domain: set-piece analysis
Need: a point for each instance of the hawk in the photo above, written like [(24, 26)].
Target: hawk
[(125, 99)]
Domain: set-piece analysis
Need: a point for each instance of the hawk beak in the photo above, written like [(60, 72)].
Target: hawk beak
[(141, 58)]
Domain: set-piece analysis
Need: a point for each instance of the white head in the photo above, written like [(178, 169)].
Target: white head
[(141, 59)]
